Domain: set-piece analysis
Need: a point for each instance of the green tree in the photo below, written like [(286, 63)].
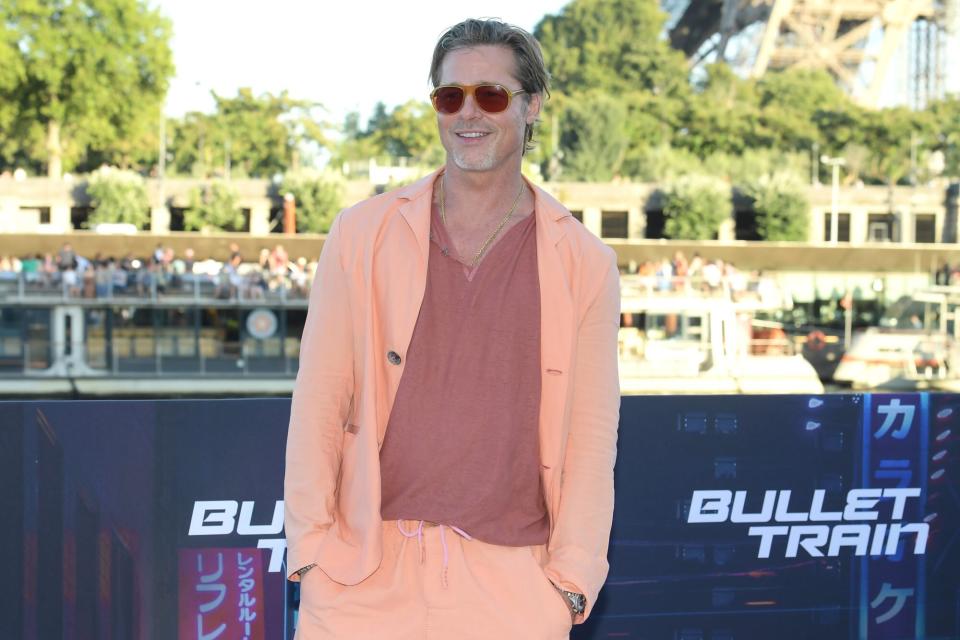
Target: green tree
[(248, 135), (781, 206), (592, 138), (11, 74), (664, 163), (857, 162), (613, 45), (694, 207), (788, 102), (889, 135), (354, 145), (721, 116), (742, 168), (410, 131), (319, 196), (946, 113), (91, 74), (193, 145), (407, 131), (839, 127), (615, 48), (378, 119), (214, 206), (118, 196)]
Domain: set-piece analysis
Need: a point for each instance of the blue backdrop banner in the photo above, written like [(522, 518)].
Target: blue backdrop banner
[(834, 516)]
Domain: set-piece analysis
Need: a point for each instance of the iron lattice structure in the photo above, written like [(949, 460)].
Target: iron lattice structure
[(857, 41)]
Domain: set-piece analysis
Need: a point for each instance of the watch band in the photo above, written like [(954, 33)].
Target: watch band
[(302, 571)]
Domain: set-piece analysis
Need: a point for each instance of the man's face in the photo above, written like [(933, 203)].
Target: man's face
[(474, 139)]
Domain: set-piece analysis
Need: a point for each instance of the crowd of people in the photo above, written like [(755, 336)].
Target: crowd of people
[(163, 272), (698, 274), (166, 272), (947, 274)]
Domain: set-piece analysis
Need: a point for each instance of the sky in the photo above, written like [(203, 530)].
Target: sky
[(346, 54)]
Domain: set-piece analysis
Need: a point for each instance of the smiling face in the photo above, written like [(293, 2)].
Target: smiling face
[(474, 139)]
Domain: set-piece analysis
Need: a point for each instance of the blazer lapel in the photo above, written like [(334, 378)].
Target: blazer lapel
[(416, 200)]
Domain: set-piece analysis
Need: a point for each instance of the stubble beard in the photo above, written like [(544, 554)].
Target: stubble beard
[(474, 162), (482, 159)]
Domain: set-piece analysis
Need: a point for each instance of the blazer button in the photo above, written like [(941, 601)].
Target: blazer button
[(393, 357)]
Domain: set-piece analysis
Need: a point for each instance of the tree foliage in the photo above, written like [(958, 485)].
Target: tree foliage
[(82, 81), (889, 134), (742, 168), (251, 136), (11, 75), (410, 131), (593, 138), (611, 45), (83, 75), (616, 47), (721, 117), (946, 113), (609, 48), (118, 196), (781, 207), (214, 206), (694, 207), (407, 131), (787, 103), (319, 197)]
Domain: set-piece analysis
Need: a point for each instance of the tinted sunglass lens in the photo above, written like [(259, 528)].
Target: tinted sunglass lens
[(491, 98), (448, 99)]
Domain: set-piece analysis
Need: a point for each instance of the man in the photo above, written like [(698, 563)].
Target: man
[(453, 427)]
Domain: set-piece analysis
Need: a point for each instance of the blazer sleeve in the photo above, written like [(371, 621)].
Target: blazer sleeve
[(581, 536), (322, 398)]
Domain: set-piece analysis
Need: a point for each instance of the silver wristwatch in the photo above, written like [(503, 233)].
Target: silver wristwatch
[(576, 601)]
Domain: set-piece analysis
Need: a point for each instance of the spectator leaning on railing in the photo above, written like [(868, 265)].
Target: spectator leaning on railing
[(163, 272)]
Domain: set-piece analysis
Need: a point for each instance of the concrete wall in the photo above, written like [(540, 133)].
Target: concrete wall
[(24, 202), (771, 256)]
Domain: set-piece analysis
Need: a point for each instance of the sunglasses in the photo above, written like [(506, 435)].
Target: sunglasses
[(492, 98)]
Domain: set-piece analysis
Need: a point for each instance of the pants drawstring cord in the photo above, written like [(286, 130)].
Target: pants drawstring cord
[(418, 533), (443, 542)]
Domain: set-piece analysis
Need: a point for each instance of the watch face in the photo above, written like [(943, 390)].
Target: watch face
[(577, 600)]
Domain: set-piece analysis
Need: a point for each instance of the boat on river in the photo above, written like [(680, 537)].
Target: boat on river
[(915, 347), (689, 336)]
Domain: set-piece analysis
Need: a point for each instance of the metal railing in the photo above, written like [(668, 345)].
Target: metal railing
[(764, 290), (147, 356)]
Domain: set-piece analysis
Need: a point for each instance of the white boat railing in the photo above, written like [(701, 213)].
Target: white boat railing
[(755, 292)]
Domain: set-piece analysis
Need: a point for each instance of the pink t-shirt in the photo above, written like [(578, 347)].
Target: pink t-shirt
[(462, 445)]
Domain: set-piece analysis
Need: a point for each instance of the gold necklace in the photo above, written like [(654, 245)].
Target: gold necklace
[(483, 247)]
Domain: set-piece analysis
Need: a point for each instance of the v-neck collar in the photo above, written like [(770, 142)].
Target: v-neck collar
[(448, 251)]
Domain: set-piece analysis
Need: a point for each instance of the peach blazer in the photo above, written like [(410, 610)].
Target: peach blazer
[(364, 303)]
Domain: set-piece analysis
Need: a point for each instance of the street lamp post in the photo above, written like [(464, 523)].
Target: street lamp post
[(162, 160), (835, 164), (814, 164)]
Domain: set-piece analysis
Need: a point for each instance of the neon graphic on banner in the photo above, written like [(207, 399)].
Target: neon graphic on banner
[(221, 594), (895, 445)]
